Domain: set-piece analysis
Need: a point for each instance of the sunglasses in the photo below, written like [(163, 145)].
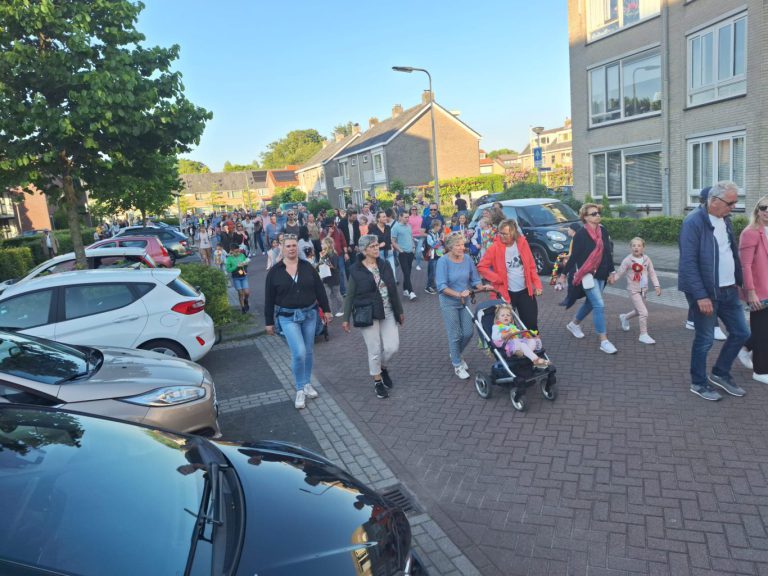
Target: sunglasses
[(593, 214), (729, 204), (763, 208)]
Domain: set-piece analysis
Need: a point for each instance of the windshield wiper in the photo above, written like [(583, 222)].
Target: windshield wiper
[(208, 512), (73, 377)]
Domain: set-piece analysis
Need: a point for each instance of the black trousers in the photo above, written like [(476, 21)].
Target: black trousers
[(527, 308), (406, 262), (758, 341)]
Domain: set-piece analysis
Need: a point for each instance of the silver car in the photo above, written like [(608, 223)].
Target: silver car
[(135, 385)]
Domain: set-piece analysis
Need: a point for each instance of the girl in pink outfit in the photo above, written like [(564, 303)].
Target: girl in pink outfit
[(640, 273), (515, 342)]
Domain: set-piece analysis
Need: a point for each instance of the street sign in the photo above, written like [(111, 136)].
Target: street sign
[(537, 156)]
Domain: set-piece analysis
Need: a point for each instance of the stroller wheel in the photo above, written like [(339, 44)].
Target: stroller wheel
[(518, 403), (482, 385), (548, 389)]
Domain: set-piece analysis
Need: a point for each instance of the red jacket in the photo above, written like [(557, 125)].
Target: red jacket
[(493, 267), (339, 242)]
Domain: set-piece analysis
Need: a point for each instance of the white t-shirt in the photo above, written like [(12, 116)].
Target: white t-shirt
[(726, 271), (515, 275), (203, 239)]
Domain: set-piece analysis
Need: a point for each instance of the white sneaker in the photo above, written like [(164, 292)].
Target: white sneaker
[(418, 267), (411, 296), (762, 378), (406, 294), (645, 339), (310, 392), (461, 372), (607, 347), (575, 329), (689, 325), (464, 365), (624, 322), (745, 356), (339, 314), (719, 334), (300, 401)]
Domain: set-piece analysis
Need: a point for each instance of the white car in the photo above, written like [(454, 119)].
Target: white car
[(121, 257), (151, 309)]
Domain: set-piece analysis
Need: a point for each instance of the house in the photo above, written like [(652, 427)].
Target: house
[(556, 149), (283, 178), (314, 176), (668, 98), (22, 212), (400, 148), (492, 166), (225, 190)]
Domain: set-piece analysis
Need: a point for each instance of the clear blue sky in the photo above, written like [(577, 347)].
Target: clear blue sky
[(265, 68)]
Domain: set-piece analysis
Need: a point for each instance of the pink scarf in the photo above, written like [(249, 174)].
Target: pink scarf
[(594, 259)]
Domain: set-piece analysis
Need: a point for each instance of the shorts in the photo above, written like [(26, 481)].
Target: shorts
[(240, 282)]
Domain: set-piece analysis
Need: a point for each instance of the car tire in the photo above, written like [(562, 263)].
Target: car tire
[(540, 258), (166, 347)]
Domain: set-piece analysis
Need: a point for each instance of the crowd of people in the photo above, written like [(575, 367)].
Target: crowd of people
[(357, 265)]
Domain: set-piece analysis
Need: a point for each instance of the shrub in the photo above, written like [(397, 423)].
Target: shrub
[(15, 263), (213, 283), (607, 210), (572, 202), (661, 229), (523, 190), (314, 206)]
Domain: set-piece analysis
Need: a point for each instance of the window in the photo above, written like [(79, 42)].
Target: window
[(715, 158), (89, 299), (199, 197), (234, 194), (607, 16), (629, 176), (26, 310), (344, 170), (354, 162), (628, 88), (378, 163), (717, 61), (365, 159)]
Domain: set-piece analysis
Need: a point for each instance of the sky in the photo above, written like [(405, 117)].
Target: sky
[(265, 68)]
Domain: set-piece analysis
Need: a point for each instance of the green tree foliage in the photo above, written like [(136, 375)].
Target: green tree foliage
[(289, 194), (345, 129), (84, 103), (192, 167), (297, 147), (495, 153), (229, 167)]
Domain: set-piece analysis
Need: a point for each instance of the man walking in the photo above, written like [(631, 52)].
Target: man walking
[(709, 274), (350, 227), (402, 244)]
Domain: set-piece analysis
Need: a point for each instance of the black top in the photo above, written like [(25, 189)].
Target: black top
[(344, 227), (282, 290), (292, 228), (385, 236), (461, 205), (582, 248), (362, 289)]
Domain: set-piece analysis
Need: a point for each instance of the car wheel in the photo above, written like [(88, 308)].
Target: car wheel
[(166, 347), (541, 260)]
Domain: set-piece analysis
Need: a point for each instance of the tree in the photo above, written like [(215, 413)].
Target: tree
[(495, 153), (287, 194), (229, 167), (297, 147), (83, 105), (192, 167), (345, 129)]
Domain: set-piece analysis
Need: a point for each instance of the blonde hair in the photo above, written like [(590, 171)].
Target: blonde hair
[(588, 208), (511, 225), (501, 308), (638, 239), (328, 245), (454, 238), (753, 217)]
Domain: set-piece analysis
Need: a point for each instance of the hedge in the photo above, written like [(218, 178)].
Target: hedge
[(213, 283), (15, 263), (659, 229), (33, 243)]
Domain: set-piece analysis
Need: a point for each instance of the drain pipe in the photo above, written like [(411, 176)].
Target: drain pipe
[(666, 191)]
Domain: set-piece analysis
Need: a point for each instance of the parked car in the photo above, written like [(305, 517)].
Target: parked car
[(95, 258), (544, 222), (91, 496), (134, 385), (174, 241), (152, 309), (151, 244), (285, 206), (485, 199), (564, 191)]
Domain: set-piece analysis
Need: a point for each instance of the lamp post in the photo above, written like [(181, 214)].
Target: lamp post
[(538, 130), (410, 69)]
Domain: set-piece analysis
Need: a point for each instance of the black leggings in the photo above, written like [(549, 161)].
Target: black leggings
[(758, 341), (527, 308), (406, 261)]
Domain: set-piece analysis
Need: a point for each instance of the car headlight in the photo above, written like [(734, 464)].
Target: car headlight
[(556, 236), (169, 396)]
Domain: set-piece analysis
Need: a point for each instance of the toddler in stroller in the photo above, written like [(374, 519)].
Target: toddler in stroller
[(520, 359)]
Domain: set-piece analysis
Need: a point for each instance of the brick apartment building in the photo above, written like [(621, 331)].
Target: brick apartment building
[(668, 97)]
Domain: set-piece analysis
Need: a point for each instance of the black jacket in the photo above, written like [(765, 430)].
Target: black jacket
[(344, 227), (362, 289), (281, 290), (582, 248)]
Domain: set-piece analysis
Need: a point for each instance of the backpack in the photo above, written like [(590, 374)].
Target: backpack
[(426, 249)]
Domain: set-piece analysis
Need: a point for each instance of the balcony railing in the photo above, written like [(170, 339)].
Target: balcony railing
[(371, 176)]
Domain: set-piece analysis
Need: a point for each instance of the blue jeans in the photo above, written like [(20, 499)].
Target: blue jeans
[(419, 257), (342, 276), (389, 255), (299, 332), (594, 303), (431, 271), (459, 326), (730, 310)]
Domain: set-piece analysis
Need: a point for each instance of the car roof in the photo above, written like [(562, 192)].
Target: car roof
[(126, 237), (163, 275), (520, 202)]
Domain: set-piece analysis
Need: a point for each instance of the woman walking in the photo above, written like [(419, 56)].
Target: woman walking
[(753, 253), (383, 231), (509, 266), (591, 262), (456, 276), (292, 293), (373, 303)]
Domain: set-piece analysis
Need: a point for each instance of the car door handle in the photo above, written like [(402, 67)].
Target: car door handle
[(126, 319)]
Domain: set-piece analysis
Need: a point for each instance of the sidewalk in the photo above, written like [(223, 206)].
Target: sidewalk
[(665, 257)]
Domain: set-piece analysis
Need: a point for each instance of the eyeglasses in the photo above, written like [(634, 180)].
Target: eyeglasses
[(729, 204), (593, 214), (763, 208)]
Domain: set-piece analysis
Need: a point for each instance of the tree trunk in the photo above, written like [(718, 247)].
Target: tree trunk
[(73, 215)]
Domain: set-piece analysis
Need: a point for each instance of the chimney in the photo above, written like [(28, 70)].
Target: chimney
[(325, 142), (355, 128), (397, 109), (567, 122), (372, 122), (338, 136), (427, 96)]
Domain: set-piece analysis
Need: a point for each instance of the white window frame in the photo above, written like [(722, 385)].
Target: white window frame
[(726, 86), (380, 156), (621, 62), (599, 26), (714, 140), (625, 151), (344, 170)]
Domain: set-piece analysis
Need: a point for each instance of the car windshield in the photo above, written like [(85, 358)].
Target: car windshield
[(549, 213), (40, 360), (82, 495)]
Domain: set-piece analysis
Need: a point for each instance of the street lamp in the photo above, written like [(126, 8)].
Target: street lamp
[(410, 69), (538, 130)]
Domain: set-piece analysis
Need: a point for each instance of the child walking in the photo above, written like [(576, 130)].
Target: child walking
[(515, 342), (434, 248), (639, 270), (329, 272)]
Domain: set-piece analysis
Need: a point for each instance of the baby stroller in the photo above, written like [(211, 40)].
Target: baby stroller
[(515, 373)]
